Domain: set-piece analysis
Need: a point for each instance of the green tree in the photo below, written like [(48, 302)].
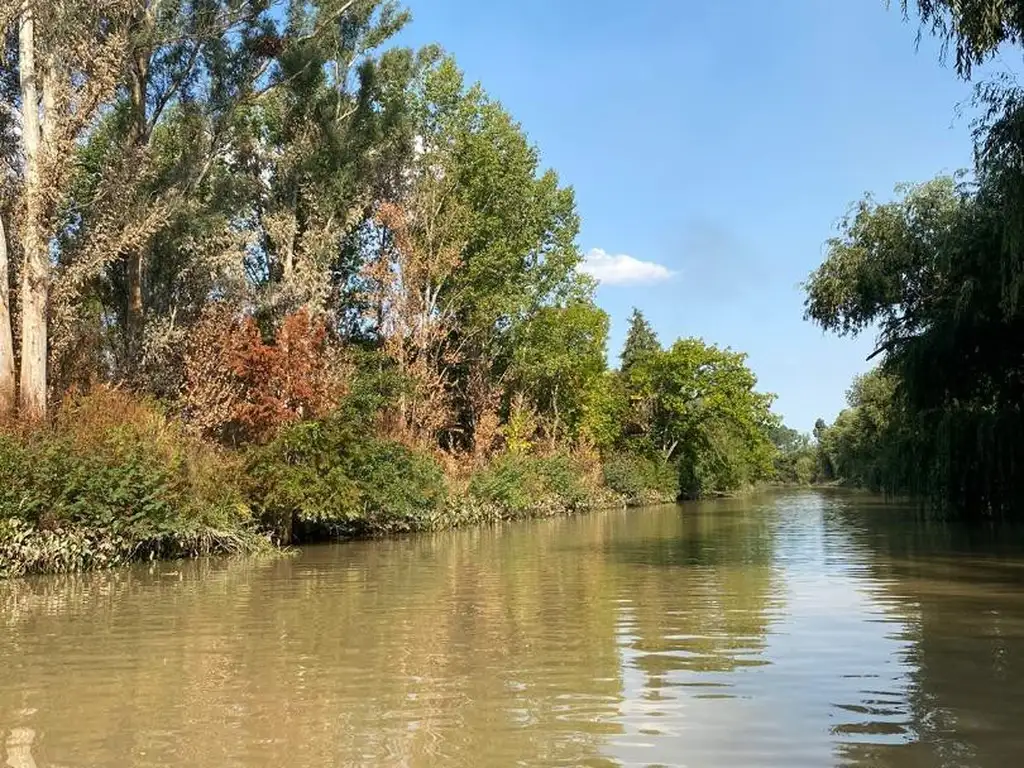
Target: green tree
[(861, 444), (787, 439), (824, 469), (795, 459), (929, 271), (559, 362), (710, 417), (638, 358), (641, 343), (518, 226)]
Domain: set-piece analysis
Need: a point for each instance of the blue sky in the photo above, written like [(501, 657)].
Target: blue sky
[(722, 141)]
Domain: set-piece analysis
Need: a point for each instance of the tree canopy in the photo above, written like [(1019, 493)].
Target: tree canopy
[(289, 230), (938, 272)]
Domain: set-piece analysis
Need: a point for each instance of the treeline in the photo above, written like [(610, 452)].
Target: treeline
[(939, 272), (264, 273), (859, 448)]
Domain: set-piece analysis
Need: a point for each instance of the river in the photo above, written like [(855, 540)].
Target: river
[(808, 628)]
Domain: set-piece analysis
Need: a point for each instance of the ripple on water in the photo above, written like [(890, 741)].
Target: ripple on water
[(796, 629)]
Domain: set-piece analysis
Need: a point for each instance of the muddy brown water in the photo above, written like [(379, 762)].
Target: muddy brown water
[(805, 628)]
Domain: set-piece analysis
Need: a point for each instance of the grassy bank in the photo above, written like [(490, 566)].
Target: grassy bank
[(115, 479)]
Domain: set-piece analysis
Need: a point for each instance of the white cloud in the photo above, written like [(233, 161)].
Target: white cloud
[(621, 269)]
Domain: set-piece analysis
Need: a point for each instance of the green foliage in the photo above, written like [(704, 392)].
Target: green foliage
[(795, 458), (879, 270), (709, 415), (859, 445), (804, 469), (641, 344), (521, 248), (696, 406), (332, 475), (929, 271), (939, 272), (641, 479), (788, 440), (975, 28), (605, 410), (518, 483), (559, 363), (719, 460), (115, 481)]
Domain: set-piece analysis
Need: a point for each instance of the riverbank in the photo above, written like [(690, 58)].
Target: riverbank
[(62, 547), (115, 480)]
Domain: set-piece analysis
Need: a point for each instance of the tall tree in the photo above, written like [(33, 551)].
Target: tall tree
[(928, 270), (698, 384), (158, 165), (639, 355), (70, 59), (419, 251), (10, 89), (518, 251), (246, 141), (641, 342), (333, 127), (940, 273), (35, 269)]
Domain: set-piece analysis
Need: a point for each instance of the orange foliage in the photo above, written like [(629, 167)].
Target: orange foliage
[(240, 388)]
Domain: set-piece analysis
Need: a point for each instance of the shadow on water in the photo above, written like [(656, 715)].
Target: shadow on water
[(732, 532), (965, 585)]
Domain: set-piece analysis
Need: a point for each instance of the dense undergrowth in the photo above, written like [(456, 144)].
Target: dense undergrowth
[(114, 480)]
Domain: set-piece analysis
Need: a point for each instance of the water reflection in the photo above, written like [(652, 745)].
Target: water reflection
[(964, 586), (792, 629)]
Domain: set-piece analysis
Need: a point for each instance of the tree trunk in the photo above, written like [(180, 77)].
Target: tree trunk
[(139, 137), (35, 269), (135, 311), (7, 385)]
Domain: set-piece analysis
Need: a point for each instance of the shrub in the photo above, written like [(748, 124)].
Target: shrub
[(332, 476), (243, 389), (518, 482), (111, 481), (641, 479)]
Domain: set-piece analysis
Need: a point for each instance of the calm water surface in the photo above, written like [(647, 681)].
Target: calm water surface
[(807, 628)]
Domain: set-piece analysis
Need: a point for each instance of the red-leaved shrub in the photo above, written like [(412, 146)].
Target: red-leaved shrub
[(240, 388)]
